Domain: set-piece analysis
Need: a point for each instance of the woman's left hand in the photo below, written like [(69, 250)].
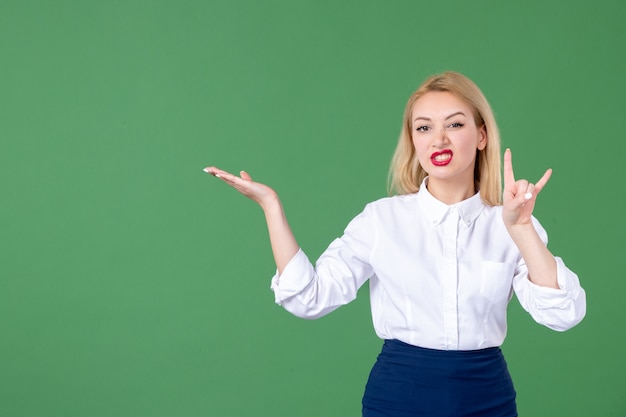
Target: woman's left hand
[(519, 196)]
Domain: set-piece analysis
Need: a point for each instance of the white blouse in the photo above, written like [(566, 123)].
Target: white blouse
[(441, 276)]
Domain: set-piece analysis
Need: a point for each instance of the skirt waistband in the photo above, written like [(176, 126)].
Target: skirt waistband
[(454, 360), (395, 344)]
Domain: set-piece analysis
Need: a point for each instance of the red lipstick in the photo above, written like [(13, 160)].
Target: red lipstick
[(441, 158)]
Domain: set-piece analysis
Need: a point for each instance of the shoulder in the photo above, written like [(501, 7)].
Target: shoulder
[(394, 206), (396, 202), (388, 210)]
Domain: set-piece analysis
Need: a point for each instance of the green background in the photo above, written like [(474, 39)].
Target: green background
[(133, 284)]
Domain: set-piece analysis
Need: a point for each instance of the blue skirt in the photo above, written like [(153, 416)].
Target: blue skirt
[(409, 381)]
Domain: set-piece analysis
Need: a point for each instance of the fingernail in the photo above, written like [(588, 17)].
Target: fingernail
[(206, 170), (528, 196)]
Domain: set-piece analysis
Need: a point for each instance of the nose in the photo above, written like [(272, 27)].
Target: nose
[(441, 138)]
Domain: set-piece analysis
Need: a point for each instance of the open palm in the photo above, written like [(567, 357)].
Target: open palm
[(255, 191)]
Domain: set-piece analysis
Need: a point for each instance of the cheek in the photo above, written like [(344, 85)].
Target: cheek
[(419, 144), (419, 148), (465, 140), (422, 155)]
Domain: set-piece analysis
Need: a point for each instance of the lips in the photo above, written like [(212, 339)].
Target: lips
[(441, 158)]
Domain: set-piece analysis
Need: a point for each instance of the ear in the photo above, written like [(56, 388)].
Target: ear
[(482, 142)]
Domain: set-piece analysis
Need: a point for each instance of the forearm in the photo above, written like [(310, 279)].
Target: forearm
[(284, 245), (282, 240), (539, 260)]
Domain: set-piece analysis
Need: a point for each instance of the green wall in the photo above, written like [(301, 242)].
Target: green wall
[(133, 284)]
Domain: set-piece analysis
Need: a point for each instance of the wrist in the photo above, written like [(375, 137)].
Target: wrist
[(271, 203), (521, 231)]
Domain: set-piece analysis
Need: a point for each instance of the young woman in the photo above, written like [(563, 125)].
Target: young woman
[(443, 256)]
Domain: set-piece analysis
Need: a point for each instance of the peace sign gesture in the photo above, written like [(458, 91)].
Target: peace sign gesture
[(519, 196)]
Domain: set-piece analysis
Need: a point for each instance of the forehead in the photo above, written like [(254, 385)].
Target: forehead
[(437, 104)]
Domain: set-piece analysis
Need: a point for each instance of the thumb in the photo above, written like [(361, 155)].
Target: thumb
[(244, 175)]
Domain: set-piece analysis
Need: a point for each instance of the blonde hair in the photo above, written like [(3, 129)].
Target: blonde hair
[(406, 174)]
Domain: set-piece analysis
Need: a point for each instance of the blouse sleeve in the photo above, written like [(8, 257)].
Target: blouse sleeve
[(312, 292), (558, 309)]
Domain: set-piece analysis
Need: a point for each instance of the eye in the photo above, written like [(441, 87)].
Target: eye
[(456, 125), (422, 128)]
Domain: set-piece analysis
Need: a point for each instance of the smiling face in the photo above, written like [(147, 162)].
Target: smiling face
[(446, 138)]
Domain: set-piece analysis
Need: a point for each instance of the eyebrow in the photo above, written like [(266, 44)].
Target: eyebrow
[(448, 117)]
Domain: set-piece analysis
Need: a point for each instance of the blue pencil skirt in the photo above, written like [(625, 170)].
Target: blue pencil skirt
[(409, 381)]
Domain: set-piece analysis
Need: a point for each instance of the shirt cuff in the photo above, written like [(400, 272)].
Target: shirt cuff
[(296, 276), (561, 297)]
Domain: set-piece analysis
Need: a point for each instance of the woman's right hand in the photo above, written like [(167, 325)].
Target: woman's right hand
[(260, 193), (284, 244)]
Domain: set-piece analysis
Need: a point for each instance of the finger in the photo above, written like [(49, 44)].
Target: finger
[(245, 176), (225, 176), (530, 192), (230, 178), (543, 180), (509, 176), (521, 187), (216, 172), (221, 174)]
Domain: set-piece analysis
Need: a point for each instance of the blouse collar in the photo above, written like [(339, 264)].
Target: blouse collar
[(468, 209)]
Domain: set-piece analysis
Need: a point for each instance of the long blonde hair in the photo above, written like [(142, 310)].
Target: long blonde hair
[(406, 174)]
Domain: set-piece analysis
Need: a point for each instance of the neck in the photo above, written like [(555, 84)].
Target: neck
[(450, 193)]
